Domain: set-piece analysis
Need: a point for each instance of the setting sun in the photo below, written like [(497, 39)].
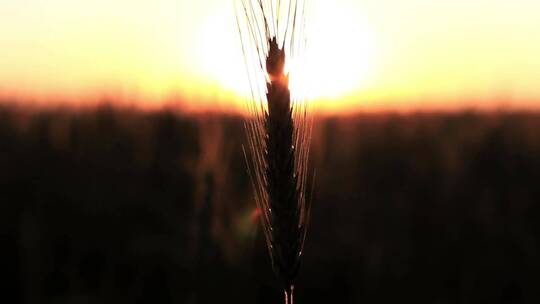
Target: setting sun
[(337, 62)]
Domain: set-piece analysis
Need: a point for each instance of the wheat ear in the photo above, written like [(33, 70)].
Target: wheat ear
[(282, 185), (279, 131)]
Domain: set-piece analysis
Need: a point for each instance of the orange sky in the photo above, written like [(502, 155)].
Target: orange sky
[(370, 54)]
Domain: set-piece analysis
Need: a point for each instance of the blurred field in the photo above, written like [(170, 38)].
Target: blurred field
[(119, 206)]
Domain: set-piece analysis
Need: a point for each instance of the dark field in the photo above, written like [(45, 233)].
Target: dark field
[(119, 206)]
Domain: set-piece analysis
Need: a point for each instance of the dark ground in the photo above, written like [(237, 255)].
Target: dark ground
[(118, 206)]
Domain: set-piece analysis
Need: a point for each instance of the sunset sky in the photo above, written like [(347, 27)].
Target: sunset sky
[(369, 54)]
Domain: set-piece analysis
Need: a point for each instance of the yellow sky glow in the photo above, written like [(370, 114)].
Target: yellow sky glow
[(370, 54)]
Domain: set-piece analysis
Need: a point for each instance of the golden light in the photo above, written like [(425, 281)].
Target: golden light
[(393, 55)]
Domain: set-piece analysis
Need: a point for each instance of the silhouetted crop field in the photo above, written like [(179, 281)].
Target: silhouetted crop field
[(119, 206)]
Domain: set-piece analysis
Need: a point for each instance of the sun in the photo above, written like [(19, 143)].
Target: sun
[(337, 61)]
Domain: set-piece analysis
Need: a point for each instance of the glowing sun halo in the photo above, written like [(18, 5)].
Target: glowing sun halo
[(338, 59)]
